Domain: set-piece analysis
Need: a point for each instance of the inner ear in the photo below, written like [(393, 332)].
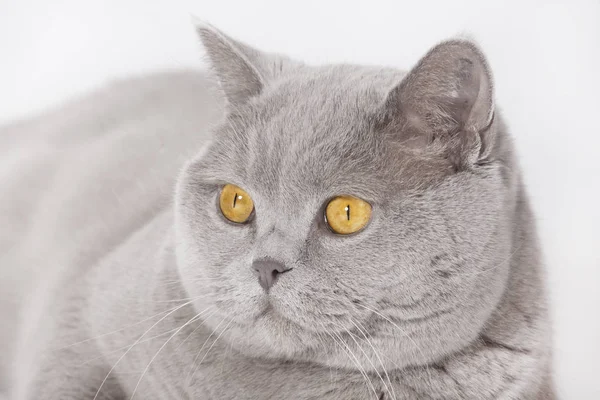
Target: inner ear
[(447, 98), (459, 101)]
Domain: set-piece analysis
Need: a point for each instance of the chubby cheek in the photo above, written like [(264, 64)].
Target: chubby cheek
[(317, 300), (217, 273), (229, 291), (450, 283)]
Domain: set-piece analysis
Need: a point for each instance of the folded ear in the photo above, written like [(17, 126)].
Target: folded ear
[(242, 71), (447, 100)]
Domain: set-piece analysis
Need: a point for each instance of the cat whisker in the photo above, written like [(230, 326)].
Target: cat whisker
[(353, 337), (363, 332), (181, 281), (349, 352), (177, 300), (331, 368), (125, 347), (403, 334), (194, 367), (192, 332), (135, 343), (160, 349), (166, 301), (508, 259), (225, 355), (145, 341), (170, 282), (215, 341), (115, 331)]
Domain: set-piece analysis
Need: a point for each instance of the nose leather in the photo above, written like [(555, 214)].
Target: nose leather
[(268, 271)]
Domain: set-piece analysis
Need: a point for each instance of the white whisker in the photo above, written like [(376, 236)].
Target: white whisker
[(193, 371), (509, 258), (393, 393), (349, 352), (160, 349), (170, 300), (353, 337), (135, 343), (215, 341), (403, 334), (188, 336), (324, 344), (125, 347), (115, 331)]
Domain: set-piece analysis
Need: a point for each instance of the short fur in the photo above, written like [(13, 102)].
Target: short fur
[(115, 285)]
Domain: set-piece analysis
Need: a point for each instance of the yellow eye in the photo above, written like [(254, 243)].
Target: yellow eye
[(236, 205), (347, 214)]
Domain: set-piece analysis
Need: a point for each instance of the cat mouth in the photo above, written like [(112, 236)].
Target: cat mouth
[(270, 312), (267, 310)]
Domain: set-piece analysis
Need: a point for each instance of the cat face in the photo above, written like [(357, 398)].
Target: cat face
[(421, 277)]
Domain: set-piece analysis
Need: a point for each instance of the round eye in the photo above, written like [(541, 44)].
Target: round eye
[(236, 205), (347, 214)]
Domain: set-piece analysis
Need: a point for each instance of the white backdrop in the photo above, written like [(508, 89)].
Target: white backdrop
[(545, 56)]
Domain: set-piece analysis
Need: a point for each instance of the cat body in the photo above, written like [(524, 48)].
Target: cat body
[(124, 280)]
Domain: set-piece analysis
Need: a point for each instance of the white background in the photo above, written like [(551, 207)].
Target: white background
[(545, 56)]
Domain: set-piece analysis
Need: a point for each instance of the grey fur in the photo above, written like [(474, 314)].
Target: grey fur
[(441, 296)]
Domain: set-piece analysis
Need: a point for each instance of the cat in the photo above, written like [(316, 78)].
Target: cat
[(273, 230)]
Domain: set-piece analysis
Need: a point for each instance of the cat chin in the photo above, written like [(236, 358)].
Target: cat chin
[(271, 335), (268, 334), (260, 329), (275, 313)]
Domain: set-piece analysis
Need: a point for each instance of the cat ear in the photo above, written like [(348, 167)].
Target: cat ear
[(447, 99), (243, 71)]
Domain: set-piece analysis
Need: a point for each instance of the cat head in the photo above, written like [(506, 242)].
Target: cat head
[(411, 166)]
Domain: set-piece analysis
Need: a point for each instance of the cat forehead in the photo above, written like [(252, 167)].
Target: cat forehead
[(328, 106), (314, 129), (332, 90)]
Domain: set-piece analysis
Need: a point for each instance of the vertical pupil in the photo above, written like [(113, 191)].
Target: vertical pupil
[(235, 199), (348, 212)]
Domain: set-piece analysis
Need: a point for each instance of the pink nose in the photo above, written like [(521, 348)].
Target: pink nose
[(268, 271)]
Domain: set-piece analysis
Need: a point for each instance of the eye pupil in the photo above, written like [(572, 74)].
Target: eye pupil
[(236, 205), (347, 214)]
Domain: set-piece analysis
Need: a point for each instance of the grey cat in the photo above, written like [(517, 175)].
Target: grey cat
[(116, 285)]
